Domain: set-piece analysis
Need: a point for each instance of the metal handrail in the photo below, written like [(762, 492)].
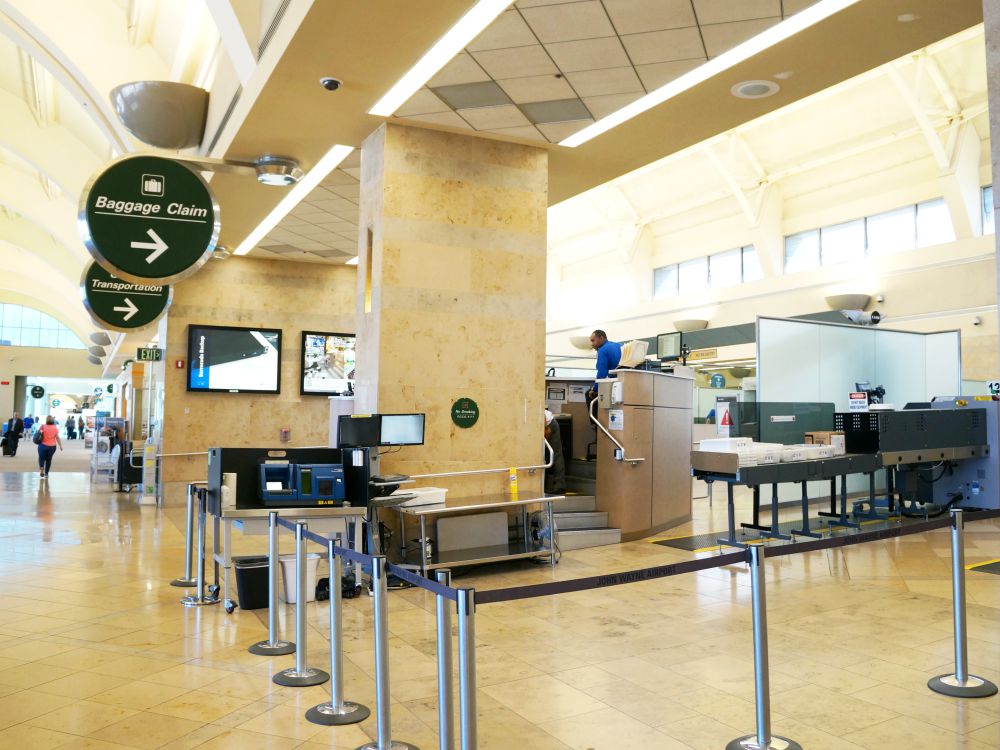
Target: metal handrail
[(602, 428), (131, 455), (472, 472)]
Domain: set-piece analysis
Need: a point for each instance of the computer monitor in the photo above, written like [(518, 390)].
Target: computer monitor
[(862, 387), (402, 429), (668, 346), (358, 430)]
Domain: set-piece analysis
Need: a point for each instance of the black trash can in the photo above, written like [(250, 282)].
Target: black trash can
[(251, 581)]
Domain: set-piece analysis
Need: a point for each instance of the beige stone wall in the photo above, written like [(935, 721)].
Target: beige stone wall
[(457, 280), (249, 292)]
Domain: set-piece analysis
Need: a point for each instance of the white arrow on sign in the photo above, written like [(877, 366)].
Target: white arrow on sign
[(158, 246), (130, 309)]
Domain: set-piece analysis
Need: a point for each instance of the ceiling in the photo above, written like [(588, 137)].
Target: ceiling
[(541, 71)]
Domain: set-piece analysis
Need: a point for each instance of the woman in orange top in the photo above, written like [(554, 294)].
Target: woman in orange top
[(47, 448)]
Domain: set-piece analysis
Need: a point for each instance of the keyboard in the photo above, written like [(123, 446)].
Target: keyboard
[(389, 478)]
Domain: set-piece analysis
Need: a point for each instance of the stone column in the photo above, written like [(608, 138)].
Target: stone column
[(991, 18), (451, 298)]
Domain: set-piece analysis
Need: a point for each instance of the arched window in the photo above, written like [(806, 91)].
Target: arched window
[(25, 326)]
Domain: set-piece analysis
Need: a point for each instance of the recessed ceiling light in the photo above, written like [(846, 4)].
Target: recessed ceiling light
[(907, 17), (741, 52), (755, 89), (469, 26), (278, 171)]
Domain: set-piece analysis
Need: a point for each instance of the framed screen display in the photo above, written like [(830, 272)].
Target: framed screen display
[(234, 360), (327, 363)]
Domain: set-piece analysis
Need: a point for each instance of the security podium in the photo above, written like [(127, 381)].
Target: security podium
[(648, 414)]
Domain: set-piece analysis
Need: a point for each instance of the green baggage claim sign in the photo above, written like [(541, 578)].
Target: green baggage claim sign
[(121, 305), (146, 218)]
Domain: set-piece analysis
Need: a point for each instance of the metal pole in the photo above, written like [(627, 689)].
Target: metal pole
[(960, 684), (467, 668), (337, 711), (446, 696), (763, 739), (188, 578), (383, 719), (199, 599), (273, 646), (300, 675)]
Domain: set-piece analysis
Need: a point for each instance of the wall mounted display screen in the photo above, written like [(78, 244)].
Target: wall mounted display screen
[(402, 429), (234, 360), (327, 363)]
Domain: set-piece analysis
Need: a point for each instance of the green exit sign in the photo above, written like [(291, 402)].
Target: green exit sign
[(148, 355)]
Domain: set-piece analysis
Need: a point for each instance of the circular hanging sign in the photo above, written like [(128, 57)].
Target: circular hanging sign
[(55, 402), (146, 218), (465, 412), (717, 381), (121, 305), (37, 391)]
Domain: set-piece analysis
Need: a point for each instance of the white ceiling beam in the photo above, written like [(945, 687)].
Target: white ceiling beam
[(737, 192), (234, 38), (919, 112)]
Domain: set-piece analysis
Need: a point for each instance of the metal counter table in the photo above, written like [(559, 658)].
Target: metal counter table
[(475, 555), (330, 521), (724, 467)]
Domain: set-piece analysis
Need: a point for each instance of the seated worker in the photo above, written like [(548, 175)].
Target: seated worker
[(555, 476), (609, 355)]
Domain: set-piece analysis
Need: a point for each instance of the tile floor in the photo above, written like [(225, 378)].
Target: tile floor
[(96, 652)]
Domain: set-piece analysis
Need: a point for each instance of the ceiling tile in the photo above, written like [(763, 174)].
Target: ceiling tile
[(661, 46), (528, 132), (441, 118), (536, 88), (588, 54), (602, 106), (791, 7), (635, 16), (658, 74), (509, 30), (488, 118), (352, 192), (563, 23), (470, 95), (600, 82), (556, 131), (422, 102), (539, 3), (355, 172), (517, 62), (352, 161), (723, 36), (338, 177), (461, 69), (723, 11), (562, 110)]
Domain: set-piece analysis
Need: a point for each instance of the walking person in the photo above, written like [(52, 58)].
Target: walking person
[(15, 426), (47, 445)]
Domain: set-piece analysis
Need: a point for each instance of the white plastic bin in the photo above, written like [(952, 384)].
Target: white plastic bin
[(288, 576)]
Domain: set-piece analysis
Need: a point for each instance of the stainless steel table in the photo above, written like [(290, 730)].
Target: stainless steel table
[(519, 550)]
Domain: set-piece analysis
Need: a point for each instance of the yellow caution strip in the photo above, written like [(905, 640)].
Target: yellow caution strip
[(973, 566)]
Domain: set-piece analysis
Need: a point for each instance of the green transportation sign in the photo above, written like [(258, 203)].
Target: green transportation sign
[(146, 218), (37, 391), (121, 305), (465, 412)]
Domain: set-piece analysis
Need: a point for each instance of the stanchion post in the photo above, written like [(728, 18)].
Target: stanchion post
[(383, 716), (188, 578), (273, 646), (467, 668), (960, 684), (763, 739), (300, 675), (199, 599), (337, 711), (445, 667)]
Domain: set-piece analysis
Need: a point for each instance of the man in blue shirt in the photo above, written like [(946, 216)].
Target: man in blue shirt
[(609, 354)]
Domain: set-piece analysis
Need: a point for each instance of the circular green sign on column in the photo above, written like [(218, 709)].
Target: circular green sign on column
[(146, 218), (121, 305), (37, 391), (465, 412)]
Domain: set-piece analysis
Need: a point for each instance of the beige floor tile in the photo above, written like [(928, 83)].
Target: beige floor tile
[(956, 716), (191, 676), (701, 733), (133, 667), (609, 730), (139, 695), (544, 698), (829, 711), (31, 674), (24, 736), (81, 658), (92, 743), (201, 706), (146, 730), (81, 685), (282, 721), (27, 704), (82, 718), (988, 735), (238, 739), (912, 734)]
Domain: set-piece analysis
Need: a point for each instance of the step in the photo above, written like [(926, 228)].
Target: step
[(577, 467), (583, 538), (581, 486), (580, 520), (574, 504)]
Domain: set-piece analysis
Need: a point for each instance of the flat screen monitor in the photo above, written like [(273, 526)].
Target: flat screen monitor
[(234, 360), (861, 387), (668, 346), (402, 429), (358, 430), (327, 364)]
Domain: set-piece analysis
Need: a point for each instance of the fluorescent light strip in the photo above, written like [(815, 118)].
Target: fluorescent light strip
[(741, 52), (303, 187), (471, 25)]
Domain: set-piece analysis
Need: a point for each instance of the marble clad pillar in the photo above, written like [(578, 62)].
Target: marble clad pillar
[(451, 298), (991, 18)]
